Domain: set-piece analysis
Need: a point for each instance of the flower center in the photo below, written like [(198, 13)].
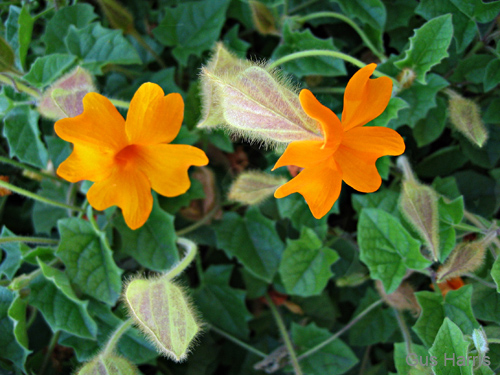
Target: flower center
[(126, 155)]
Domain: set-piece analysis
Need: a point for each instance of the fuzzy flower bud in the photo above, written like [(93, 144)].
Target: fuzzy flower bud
[(466, 118), (108, 365), (118, 16), (254, 187), (406, 78), (466, 257), (419, 206), (253, 102), (64, 97), (403, 298), (263, 19)]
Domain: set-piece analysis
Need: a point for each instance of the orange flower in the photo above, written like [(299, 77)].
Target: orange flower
[(126, 159), (347, 151)]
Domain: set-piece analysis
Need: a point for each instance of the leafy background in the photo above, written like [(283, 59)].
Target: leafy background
[(59, 300)]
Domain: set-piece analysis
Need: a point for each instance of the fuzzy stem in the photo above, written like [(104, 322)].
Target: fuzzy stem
[(120, 103), (342, 331), (115, 337), (48, 241), (15, 163), (351, 23), (404, 330), (191, 250), (37, 197), (237, 341), (284, 335), (481, 281), (199, 223), (19, 86)]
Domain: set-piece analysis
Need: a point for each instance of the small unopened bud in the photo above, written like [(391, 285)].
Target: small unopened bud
[(465, 116), (254, 187), (164, 314), (263, 19), (118, 16), (466, 257), (406, 78), (480, 341), (6, 56), (4, 191), (109, 365), (250, 101), (352, 280), (32, 175), (403, 298), (419, 206), (64, 97)]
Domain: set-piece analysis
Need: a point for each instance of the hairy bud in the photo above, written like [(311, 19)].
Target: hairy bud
[(248, 100), (254, 187), (406, 78), (262, 18), (403, 298), (466, 118), (118, 16), (64, 97), (419, 205), (109, 365)]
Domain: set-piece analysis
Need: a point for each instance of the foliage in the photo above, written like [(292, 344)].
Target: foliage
[(271, 288)]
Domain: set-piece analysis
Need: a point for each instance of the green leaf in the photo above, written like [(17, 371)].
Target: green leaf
[(221, 305), (18, 30), (305, 265), (486, 303), (478, 10), (480, 197), (449, 214), (375, 327), (456, 306), (333, 359), (12, 255), (197, 26), (97, 46), (13, 338), (443, 162), (52, 294), (132, 345), (428, 46), (79, 15), (88, 260), (430, 128), (387, 248), (371, 12), (297, 41), (472, 69), (420, 98), (464, 29), (45, 216), (386, 200), (154, 244), (47, 69), (450, 343), (391, 112), (253, 240), (23, 135), (495, 273), (492, 75), (402, 358)]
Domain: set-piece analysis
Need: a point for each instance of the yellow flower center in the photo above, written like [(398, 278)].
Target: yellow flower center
[(126, 156)]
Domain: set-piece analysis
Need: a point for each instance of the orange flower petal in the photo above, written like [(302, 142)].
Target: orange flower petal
[(128, 189), (374, 139), (365, 98), (303, 154), (330, 123), (153, 117), (86, 163), (167, 166), (319, 185), (99, 125), (358, 169)]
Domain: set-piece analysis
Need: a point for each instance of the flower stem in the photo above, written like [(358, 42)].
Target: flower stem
[(237, 341), (199, 223), (342, 331), (48, 241), (115, 337), (5, 160), (120, 103), (50, 349), (19, 86), (191, 250), (284, 335), (37, 197), (404, 330), (351, 23)]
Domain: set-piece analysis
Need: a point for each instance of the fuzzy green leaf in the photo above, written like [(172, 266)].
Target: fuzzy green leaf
[(431, 127), (23, 135), (47, 69), (492, 75), (387, 248), (253, 240), (197, 27), (89, 262), (12, 255), (478, 10), (18, 30), (305, 266), (45, 216)]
